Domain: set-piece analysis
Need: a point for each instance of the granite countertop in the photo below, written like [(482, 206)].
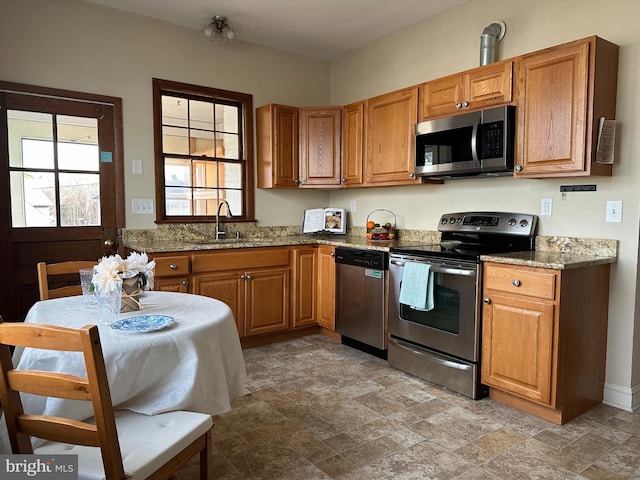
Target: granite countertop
[(550, 252), (163, 246), (555, 260)]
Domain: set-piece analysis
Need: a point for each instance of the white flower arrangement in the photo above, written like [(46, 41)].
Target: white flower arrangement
[(110, 269)]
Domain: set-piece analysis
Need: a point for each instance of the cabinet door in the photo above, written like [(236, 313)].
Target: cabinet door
[(267, 301), (489, 86), (303, 298), (228, 287), (352, 144), (326, 287), (552, 111), (389, 124), (320, 145), (441, 96), (519, 348), (277, 146)]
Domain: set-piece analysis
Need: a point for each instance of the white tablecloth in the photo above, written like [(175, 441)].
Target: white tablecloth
[(195, 364)]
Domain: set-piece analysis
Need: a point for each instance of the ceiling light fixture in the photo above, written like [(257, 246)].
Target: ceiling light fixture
[(219, 31)]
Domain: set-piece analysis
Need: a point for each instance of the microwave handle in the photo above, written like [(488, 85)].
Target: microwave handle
[(474, 143)]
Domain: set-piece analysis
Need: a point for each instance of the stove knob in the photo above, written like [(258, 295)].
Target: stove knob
[(443, 221), (452, 220), (523, 223), (512, 222), (459, 219)]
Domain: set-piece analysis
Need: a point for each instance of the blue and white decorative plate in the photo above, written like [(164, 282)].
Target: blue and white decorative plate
[(143, 323)]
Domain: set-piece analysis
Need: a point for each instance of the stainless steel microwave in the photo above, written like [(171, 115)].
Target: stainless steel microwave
[(471, 144)]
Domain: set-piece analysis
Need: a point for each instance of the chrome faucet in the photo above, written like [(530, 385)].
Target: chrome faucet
[(218, 231)]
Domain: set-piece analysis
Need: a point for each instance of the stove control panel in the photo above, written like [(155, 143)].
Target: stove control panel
[(489, 222)]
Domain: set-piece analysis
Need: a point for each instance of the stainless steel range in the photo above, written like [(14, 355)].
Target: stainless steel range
[(435, 297)]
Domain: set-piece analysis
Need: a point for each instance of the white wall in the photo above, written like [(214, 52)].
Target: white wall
[(450, 43)]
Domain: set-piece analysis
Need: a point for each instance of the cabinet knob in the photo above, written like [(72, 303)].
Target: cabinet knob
[(304, 180), (486, 300), (173, 266), (243, 276), (248, 277), (518, 168), (344, 180), (516, 282), (458, 105), (465, 104), (333, 254), (296, 181), (185, 282), (411, 174)]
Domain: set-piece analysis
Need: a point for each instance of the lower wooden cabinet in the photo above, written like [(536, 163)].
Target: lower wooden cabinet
[(269, 289), (253, 282), (303, 290), (326, 287), (544, 338)]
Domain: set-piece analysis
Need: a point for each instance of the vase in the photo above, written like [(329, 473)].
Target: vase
[(130, 295), (109, 301)]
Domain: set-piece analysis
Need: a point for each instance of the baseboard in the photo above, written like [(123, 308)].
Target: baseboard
[(625, 398)]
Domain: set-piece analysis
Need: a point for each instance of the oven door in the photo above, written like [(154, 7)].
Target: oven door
[(453, 325)]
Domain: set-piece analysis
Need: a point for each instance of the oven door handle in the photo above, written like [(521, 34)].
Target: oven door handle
[(438, 269)]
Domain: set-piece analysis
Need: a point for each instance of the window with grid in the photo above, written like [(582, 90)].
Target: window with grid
[(203, 152)]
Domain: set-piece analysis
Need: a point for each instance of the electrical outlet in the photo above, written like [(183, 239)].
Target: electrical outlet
[(546, 207), (142, 206), (614, 211), (352, 206)]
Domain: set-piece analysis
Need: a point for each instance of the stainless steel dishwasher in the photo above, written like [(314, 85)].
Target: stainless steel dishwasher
[(361, 297)]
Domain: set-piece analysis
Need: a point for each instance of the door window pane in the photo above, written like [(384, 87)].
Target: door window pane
[(77, 143), (24, 126), (79, 199), (33, 199)]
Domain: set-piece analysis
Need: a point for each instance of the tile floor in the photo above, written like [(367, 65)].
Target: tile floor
[(321, 410)]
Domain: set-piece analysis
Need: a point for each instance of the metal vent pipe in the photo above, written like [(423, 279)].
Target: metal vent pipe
[(491, 35)]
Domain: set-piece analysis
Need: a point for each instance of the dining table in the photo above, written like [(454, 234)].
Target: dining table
[(188, 357)]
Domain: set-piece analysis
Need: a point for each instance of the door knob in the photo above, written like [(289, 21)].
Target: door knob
[(108, 243)]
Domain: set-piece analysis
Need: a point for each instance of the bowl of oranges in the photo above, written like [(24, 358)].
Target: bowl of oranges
[(381, 225)]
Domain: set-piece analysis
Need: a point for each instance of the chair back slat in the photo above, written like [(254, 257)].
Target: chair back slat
[(59, 429), (49, 384), (68, 269), (95, 387)]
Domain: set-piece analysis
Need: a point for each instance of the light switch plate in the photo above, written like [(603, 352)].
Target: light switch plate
[(137, 167), (142, 206), (614, 211)]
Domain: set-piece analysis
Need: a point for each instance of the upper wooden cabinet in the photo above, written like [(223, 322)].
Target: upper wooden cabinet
[(352, 144), (277, 146), (482, 87), (389, 125), (320, 146), (562, 93)]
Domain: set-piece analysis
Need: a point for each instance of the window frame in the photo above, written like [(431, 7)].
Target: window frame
[(171, 88)]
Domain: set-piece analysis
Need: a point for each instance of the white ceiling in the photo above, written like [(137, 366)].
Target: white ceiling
[(324, 29)]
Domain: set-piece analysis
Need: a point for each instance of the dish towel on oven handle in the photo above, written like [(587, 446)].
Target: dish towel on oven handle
[(416, 289)]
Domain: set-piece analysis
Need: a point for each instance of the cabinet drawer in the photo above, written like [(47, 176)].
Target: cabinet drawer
[(171, 266), (241, 258), (521, 281)]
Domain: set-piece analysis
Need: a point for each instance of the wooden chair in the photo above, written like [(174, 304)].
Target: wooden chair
[(62, 268), (152, 446)]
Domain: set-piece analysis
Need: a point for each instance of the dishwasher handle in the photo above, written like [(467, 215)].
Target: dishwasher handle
[(440, 269)]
